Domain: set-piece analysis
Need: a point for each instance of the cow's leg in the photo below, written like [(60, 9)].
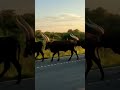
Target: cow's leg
[(76, 54), (53, 56), (58, 56), (37, 54), (42, 55), (18, 68), (89, 65), (71, 55), (6, 67), (97, 61)]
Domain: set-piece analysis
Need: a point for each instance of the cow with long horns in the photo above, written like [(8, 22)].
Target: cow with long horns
[(32, 47), (10, 49), (102, 40), (9, 46), (29, 33), (57, 46), (10, 53), (93, 41)]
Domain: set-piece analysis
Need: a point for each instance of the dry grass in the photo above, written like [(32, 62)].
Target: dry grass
[(48, 54), (109, 58), (28, 69)]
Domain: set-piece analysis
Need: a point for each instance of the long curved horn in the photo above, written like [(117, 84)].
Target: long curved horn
[(21, 26), (95, 26), (102, 30), (45, 37), (73, 36), (28, 27), (89, 20)]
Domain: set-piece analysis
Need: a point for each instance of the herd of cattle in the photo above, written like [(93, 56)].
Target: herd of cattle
[(94, 39), (57, 46)]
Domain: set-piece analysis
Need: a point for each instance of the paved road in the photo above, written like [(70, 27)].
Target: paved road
[(111, 82), (26, 84), (62, 75), (65, 75)]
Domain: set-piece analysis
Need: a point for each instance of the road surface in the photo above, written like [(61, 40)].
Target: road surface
[(65, 75), (62, 75), (111, 82), (26, 84)]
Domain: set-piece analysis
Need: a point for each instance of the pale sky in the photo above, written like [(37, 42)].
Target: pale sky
[(59, 15)]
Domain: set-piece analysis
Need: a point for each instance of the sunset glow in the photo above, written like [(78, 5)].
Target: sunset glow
[(59, 15)]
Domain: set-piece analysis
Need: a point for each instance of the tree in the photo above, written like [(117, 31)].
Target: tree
[(7, 20)]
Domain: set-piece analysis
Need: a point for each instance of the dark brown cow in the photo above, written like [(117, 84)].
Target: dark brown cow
[(57, 46), (32, 47), (93, 41)]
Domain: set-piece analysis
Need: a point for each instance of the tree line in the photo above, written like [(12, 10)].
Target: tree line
[(8, 21), (108, 20), (8, 27), (60, 36)]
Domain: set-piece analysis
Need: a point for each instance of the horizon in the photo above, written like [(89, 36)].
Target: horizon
[(57, 32)]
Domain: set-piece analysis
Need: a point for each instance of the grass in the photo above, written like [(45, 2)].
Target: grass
[(28, 65), (28, 69), (108, 58), (48, 54)]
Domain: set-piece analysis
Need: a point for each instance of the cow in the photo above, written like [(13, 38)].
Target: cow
[(32, 47), (57, 46), (38, 49), (9, 50), (93, 41)]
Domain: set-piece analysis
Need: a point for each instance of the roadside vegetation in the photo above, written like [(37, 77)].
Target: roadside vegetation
[(108, 58), (59, 36), (48, 54)]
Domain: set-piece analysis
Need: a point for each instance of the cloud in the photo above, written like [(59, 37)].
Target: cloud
[(62, 22), (62, 17)]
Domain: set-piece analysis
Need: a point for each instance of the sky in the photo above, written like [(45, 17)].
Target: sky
[(59, 15), (112, 6), (21, 6)]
